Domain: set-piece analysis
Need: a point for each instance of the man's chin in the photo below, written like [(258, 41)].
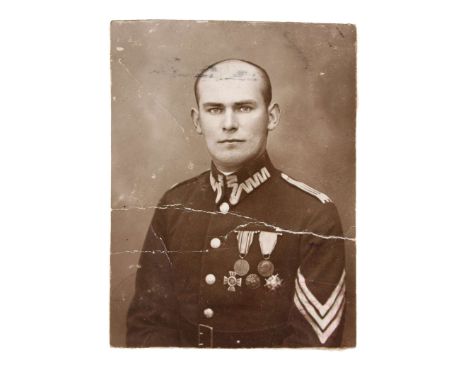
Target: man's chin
[(231, 163)]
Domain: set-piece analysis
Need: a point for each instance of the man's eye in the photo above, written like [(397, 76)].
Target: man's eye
[(215, 110), (245, 109)]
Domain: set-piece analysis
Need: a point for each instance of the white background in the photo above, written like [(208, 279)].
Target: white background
[(412, 195)]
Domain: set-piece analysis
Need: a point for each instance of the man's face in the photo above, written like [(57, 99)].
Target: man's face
[(232, 115)]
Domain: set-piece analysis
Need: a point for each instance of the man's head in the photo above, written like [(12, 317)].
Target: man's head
[(234, 112)]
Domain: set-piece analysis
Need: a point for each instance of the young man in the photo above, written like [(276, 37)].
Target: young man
[(241, 255)]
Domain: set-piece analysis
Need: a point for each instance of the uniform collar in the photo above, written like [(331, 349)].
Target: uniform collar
[(235, 187)]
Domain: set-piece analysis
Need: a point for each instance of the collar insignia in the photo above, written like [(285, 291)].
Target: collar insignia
[(248, 185), (234, 187)]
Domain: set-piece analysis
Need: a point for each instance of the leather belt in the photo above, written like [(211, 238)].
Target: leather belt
[(208, 337)]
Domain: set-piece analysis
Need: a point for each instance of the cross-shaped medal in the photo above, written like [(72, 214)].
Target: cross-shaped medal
[(273, 282), (232, 281)]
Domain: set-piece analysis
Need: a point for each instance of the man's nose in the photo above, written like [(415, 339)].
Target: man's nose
[(230, 121)]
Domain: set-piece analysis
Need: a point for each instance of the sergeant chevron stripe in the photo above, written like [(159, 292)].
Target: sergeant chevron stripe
[(304, 187), (324, 318), (323, 309), (322, 322), (322, 335)]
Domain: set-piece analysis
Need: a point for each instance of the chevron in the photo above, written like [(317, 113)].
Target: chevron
[(322, 322), (322, 308), (322, 335)]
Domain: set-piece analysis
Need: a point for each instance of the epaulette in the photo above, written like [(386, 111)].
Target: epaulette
[(190, 180), (304, 187)]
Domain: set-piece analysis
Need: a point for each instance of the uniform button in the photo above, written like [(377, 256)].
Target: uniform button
[(215, 243), (210, 279), (208, 313), (224, 208)]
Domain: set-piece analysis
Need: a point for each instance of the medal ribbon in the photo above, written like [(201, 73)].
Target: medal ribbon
[(267, 242), (244, 240)]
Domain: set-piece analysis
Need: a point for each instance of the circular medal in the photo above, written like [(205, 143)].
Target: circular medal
[(265, 268), (252, 281), (241, 267)]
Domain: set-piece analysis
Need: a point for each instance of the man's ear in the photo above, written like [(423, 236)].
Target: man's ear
[(195, 114), (273, 116)]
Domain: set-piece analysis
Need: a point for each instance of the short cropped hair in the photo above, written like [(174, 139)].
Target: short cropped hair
[(266, 88)]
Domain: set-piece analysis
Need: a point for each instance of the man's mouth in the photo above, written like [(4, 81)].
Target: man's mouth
[(231, 140)]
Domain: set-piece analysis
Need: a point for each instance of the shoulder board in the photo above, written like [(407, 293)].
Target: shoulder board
[(191, 180), (304, 187)]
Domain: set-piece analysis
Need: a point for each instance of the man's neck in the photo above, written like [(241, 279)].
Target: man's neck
[(226, 173), (230, 171)]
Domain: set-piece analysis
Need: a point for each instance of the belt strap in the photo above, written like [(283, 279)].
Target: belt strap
[(206, 336)]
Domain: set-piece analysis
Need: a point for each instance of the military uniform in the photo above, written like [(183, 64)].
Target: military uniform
[(251, 259)]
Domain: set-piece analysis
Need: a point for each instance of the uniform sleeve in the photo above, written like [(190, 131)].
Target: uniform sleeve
[(317, 312), (153, 314)]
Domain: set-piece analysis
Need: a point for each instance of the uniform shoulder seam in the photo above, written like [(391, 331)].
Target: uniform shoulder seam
[(188, 181), (304, 187)]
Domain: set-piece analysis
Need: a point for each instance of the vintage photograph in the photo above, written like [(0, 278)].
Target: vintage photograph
[(233, 184)]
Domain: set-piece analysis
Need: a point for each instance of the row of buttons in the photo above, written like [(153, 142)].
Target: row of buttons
[(224, 209), (210, 278), (215, 242)]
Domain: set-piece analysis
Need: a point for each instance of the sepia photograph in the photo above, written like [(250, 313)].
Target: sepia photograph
[(196, 190), (233, 184)]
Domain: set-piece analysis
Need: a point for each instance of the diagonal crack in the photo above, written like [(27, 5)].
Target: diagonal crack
[(165, 251), (251, 219)]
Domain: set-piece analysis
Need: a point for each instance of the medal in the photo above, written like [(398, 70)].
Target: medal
[(241, 267), (267, 242), (252, 281), (232, 281), (273, 282), (244, 241), (265, 268)]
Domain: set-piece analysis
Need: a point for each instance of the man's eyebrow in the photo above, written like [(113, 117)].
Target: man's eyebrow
[(210, 104), (246, 102), (238, 103)]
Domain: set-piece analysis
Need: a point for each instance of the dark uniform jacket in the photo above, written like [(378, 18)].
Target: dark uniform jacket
[(288, 290)]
